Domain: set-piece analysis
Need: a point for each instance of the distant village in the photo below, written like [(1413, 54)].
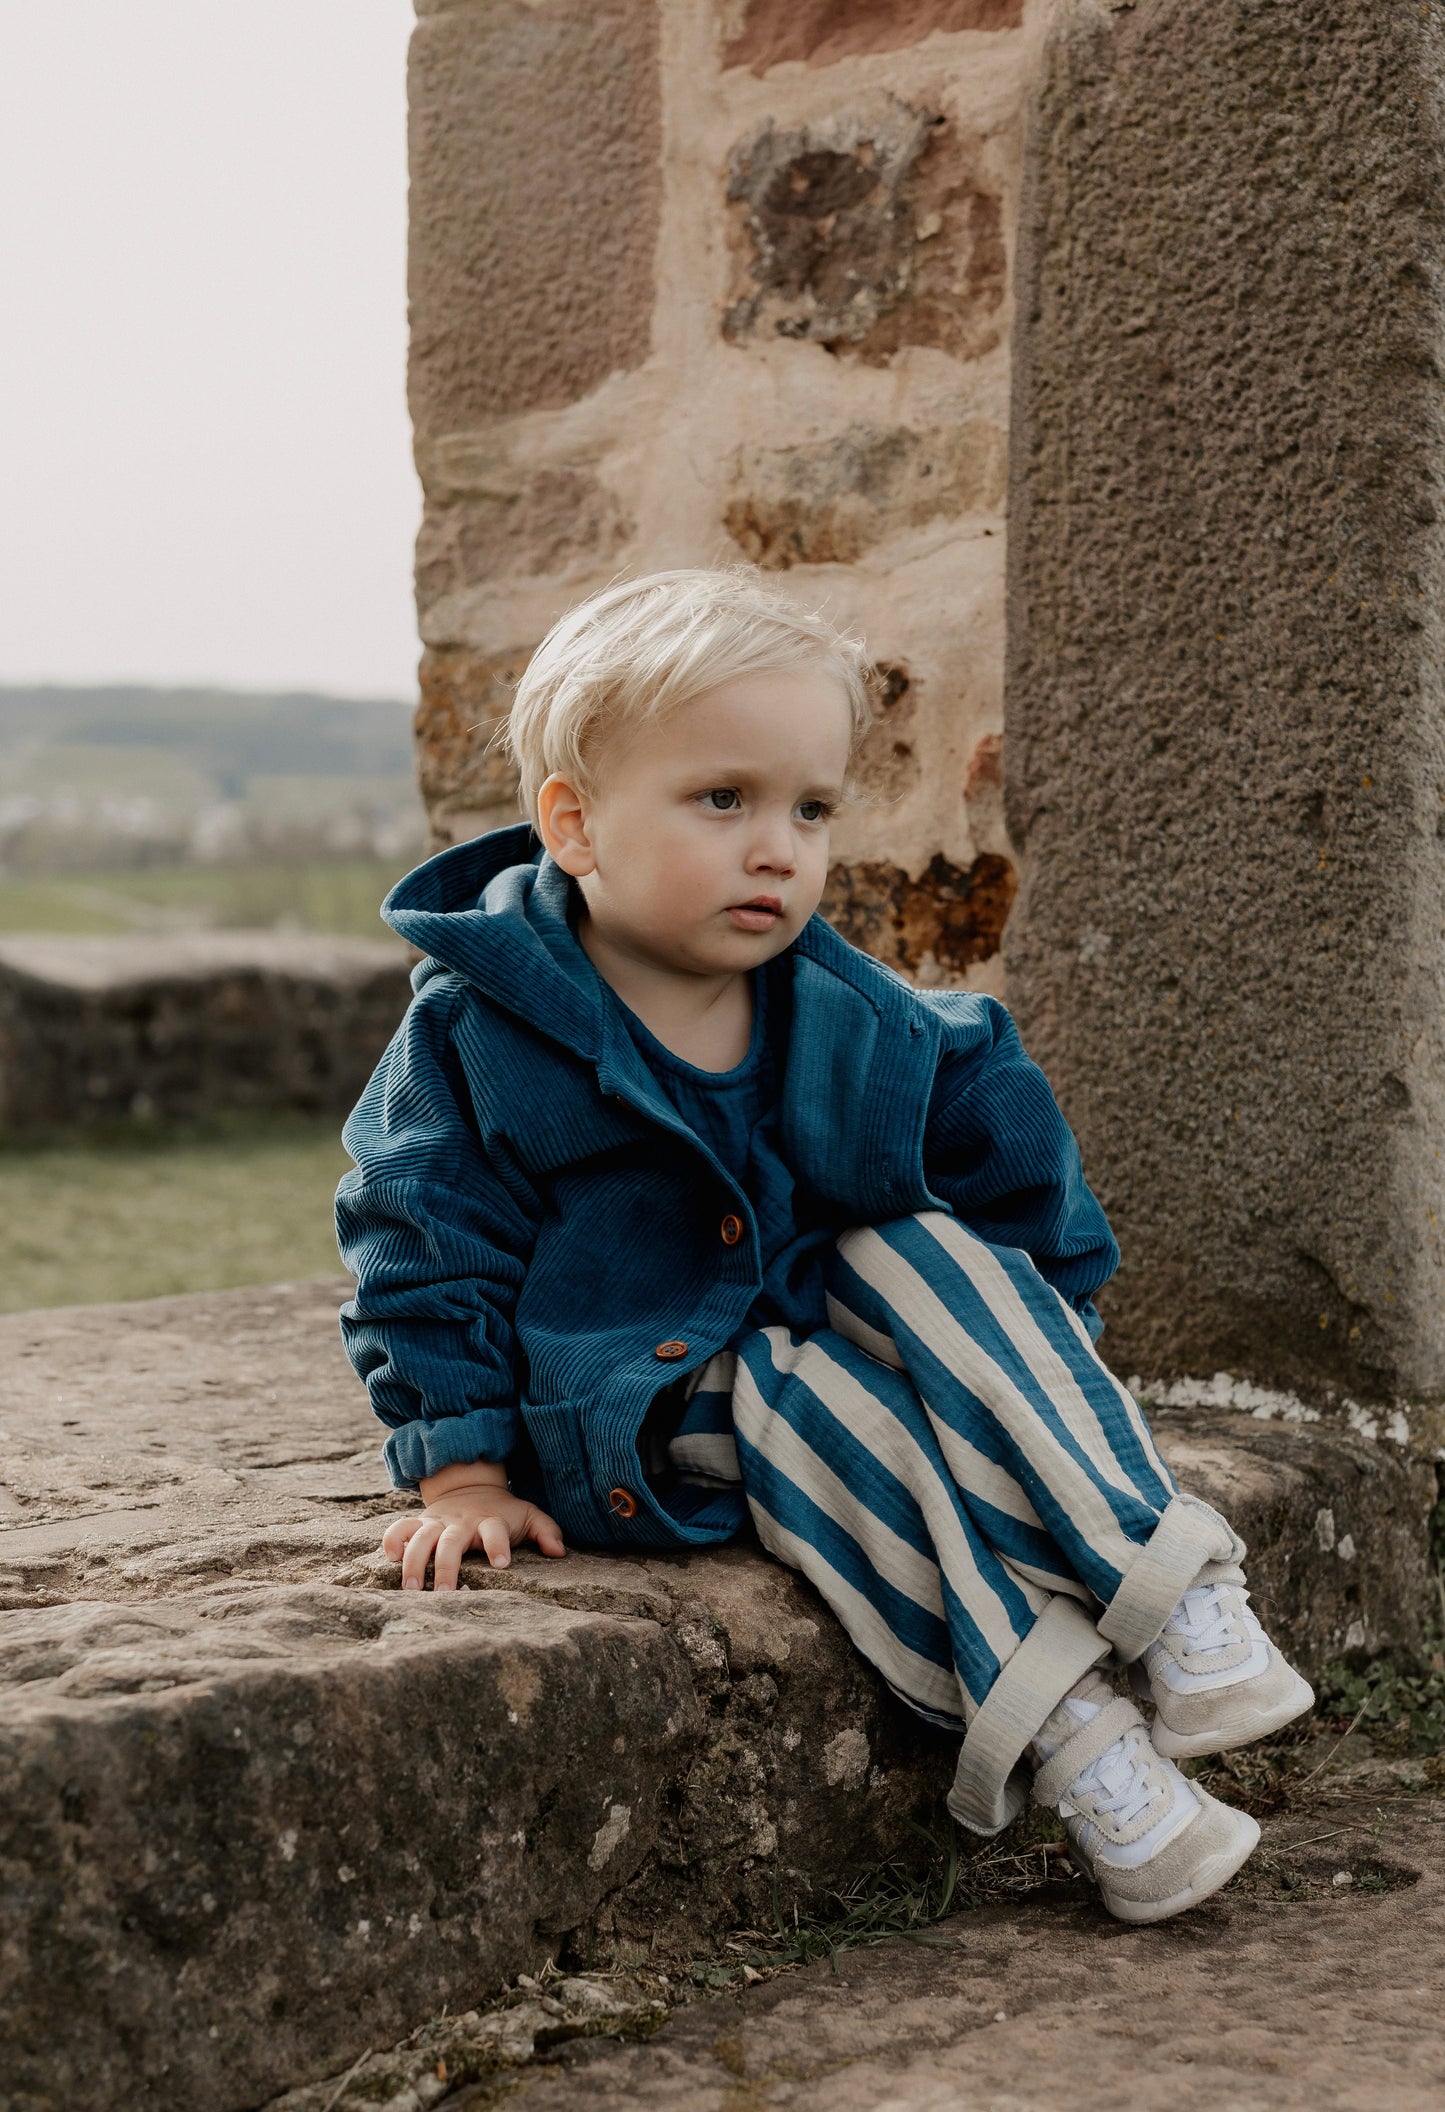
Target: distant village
[(121, 779)]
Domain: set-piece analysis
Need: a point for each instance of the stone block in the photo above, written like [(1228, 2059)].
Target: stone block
[(1224, 692), (555, 521), (535, 189), (865, 231), (240, 1829), (820, 32), (1337, 1526), (467, 782), (188, 1548), (259, 1810), (827, 502), (171, 1028)]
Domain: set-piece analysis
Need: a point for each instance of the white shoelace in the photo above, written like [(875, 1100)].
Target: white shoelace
[(1206, 1618), (1123, 1779)]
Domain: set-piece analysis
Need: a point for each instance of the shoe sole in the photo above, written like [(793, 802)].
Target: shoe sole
[(1245, 1729), (1214, 1872)]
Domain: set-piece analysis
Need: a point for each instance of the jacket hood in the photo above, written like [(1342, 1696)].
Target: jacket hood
[(494, 910)]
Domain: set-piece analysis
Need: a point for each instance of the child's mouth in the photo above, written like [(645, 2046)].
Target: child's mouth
[(760, 915)]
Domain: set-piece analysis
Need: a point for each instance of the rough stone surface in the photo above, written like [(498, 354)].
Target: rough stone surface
[(1338, 1526), (466, 780), (211, 1882), (942, 923), (101, 1030), (850, 423), (189, 1520), (556, 521), (449, 2051), (1287, 1998), (1225, 712), (188, 1547), (824, 31), (828, 503), (866, 231), (534, 202)]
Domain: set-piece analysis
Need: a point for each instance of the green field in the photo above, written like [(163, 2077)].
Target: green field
[(141, 1216), (334, 895)]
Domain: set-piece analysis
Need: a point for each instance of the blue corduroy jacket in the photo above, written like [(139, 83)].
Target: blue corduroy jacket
[(530, 1221)]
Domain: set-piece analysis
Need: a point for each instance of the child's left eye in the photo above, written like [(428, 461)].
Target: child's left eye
[(813, 810), (722, 799)]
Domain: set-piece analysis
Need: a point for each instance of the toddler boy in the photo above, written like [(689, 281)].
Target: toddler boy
[(673, 1211)]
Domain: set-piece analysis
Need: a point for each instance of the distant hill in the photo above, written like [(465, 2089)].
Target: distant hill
[(129, 774), (230, 734)]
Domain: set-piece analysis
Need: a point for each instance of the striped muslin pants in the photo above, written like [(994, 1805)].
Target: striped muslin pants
[(974, 1494)]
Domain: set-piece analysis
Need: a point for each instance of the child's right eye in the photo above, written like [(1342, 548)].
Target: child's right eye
[(722, 799)]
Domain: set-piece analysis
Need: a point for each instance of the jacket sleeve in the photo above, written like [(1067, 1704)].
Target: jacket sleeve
[(998, 1151), (438, 1244)]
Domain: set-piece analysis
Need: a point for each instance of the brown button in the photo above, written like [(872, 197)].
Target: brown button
[(623, 1502), (670, 1351), (731, 1229)]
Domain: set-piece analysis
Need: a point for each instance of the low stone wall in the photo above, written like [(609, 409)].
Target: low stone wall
[(260, 1811), (112, 1030)]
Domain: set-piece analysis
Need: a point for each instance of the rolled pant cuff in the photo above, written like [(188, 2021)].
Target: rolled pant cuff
[(990, 1787), (1191, 1544)]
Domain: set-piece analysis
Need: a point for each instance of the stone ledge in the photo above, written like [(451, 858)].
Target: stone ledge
[(204, 1657), (204, 1810)]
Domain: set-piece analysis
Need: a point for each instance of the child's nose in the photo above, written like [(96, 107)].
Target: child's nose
[(772, 854)]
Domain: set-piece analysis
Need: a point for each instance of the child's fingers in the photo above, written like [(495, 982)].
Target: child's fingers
[(447, 1561), (419, 1552), (545, 1531), (496, 1542), (394, 1539)]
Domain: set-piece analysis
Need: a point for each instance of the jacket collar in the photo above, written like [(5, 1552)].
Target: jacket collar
[(495, 910)]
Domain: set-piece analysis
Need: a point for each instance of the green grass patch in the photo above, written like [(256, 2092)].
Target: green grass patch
[(908, 1895), (154, 1212), (1403, 1713), (341, 895), (1399, 1714)]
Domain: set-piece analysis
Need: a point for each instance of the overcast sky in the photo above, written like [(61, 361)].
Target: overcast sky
[(205, 467)]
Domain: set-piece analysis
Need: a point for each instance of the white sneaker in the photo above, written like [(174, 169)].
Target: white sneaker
[(1153, 1842), (1215, 1678)]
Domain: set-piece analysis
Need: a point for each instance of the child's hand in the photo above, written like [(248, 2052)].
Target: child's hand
[(461, 1514)]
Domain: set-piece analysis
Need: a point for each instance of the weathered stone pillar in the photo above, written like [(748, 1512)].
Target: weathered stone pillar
[(1224, 688), (694, 282), (535, 152)]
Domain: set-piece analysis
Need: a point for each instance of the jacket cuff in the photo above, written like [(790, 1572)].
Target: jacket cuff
[(421, 1448)]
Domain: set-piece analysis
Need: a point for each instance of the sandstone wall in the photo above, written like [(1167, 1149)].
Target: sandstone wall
[(700, 279)]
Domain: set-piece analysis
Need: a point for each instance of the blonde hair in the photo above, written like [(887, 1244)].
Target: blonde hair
[(643, 647)]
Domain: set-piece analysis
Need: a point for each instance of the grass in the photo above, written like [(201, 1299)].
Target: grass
[(1403, 1713), (908, 1895), (1400, 1713), (330, 895), (151, 1213), (904, 1896)]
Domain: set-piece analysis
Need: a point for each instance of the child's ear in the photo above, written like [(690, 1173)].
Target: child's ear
[(562, 825)]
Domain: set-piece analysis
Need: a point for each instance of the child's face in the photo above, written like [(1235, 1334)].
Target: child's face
[(704, 845)]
